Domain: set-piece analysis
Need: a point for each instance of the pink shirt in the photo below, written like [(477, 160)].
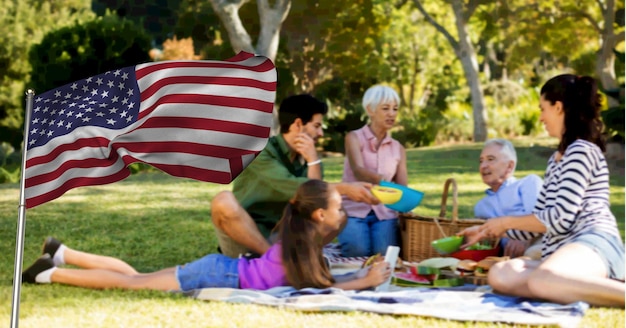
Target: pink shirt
[(383, 161), (264, 272)]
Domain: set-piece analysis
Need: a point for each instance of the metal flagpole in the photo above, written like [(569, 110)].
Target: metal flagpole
[(19, 239)]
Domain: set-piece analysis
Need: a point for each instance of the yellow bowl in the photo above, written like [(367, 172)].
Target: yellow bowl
[(387, 195)]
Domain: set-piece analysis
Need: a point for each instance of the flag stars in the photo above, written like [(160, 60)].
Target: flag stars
[(113, 110), (57, 93), (110, 84), (68, 95), (100, 114), (86, 119), (64, 102), (74, 86), (117, 72), (45, 109), (123, 114), (51, 122), (89, 79), (128, 119), (115, 99), (130, 92), (70, 113), (105, 94), (102, 105), (99, 81), (50, 133), (89, 109), (85, 88), (74, 105), (79, 115), (68, 125), (94, 92), (61, 123), (124, 101), (33, 131), (125, 76), (111, 121), (131, 105), (37, 109)]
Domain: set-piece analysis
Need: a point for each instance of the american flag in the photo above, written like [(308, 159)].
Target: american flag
[(204, 120)]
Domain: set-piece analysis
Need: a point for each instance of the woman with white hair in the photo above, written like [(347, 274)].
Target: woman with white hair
[(373, 156)]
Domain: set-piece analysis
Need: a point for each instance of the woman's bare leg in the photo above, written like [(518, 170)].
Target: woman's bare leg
[(102, 279), (511, 277), (575, 273), (92, 261)]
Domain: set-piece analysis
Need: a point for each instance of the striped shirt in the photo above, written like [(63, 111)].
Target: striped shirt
[(574, 199)]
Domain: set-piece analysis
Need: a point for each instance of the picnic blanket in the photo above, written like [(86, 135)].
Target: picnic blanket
[(461, 305)]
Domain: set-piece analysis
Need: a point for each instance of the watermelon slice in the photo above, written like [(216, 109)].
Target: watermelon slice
[(408, 279)]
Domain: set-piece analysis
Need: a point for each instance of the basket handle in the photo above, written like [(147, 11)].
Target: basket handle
[(444, 199)]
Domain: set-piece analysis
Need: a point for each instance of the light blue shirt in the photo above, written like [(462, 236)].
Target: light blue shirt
[(514, 197)]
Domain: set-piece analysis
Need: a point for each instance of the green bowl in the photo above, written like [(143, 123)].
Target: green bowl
[(447, 245)]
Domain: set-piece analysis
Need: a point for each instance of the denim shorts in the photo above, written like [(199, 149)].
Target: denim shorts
[(609, 247), (213, 270)]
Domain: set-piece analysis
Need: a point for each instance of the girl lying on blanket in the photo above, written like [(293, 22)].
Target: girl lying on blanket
[(314, 213), (582, 253)]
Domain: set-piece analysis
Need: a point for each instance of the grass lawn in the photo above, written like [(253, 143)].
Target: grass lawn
[(154, 221)]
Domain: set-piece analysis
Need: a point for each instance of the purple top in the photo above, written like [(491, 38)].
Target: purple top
[(264, 272)]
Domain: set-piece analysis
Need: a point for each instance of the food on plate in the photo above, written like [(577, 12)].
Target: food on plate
[(372, 259), (439, 262), (465, 267), (479, 247), (483, 266)]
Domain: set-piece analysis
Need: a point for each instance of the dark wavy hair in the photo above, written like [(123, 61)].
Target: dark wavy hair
[(581, 105), (302, 243)]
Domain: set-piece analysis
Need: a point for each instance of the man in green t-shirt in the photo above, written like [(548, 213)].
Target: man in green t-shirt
[(245, 217)]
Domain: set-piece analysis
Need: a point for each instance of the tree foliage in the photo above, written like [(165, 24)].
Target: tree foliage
[(22, 24), (82, 50)]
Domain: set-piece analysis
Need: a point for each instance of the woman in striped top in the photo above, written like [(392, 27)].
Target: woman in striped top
[(582, 253)]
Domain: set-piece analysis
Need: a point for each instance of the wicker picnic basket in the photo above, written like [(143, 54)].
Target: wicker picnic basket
[(419, 231)]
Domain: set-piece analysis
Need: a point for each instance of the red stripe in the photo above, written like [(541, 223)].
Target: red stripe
[(195, 173), (95, 142), (207, 80), (207, 124), (142, 147), (142, 72), (241, 56), (73, 183), (236, 166), (235, 102)]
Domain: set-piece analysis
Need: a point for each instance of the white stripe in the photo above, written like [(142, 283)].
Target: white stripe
[(145, 81), (232, 114), (210, 89)]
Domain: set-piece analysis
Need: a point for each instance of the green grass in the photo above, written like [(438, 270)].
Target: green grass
[(155, 221)]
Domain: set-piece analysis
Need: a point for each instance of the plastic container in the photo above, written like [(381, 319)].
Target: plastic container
[(410, 199)]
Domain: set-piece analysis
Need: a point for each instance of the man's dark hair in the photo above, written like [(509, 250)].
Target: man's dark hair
[(302, 106)]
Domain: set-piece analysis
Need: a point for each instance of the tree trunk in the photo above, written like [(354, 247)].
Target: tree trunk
[(271, 21), (228, 12), (467, 54), (605, 58)]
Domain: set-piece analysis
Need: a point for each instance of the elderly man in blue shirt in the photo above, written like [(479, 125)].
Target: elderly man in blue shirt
[(506, 194)]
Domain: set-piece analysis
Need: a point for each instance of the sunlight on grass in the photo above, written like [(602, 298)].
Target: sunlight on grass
[(154, 221)]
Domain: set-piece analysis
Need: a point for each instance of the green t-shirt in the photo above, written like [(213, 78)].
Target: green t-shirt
[(266, 185)]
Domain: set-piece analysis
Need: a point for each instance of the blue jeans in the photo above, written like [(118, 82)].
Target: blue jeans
[(368, 236), (213, 270)]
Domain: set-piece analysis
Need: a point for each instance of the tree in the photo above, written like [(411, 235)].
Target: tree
[(465, 51), (608, 22), (271, 19), (82, 50), (22, 24)]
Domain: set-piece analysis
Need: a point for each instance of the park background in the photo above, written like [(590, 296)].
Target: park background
[(465, 70)]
